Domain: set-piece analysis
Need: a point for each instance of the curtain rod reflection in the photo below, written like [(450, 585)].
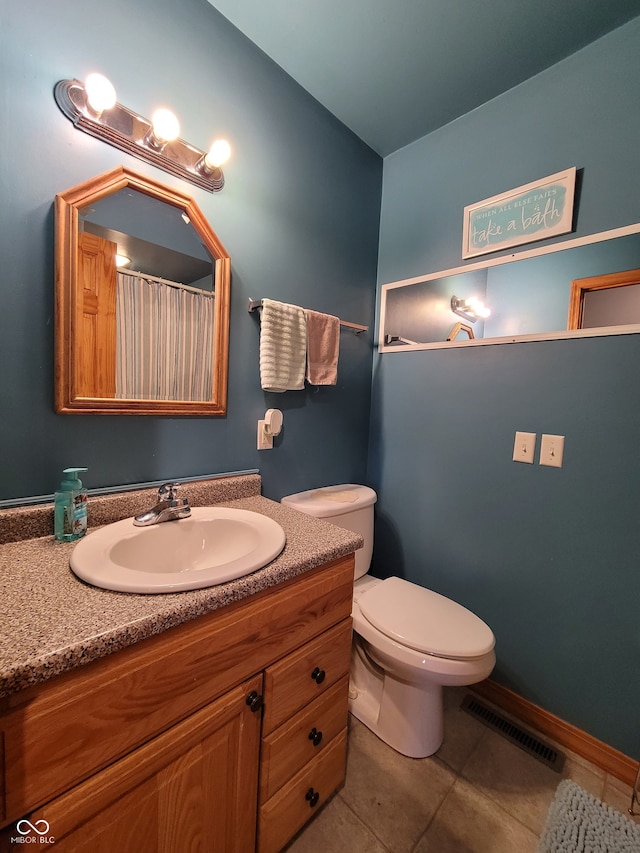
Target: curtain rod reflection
[(167, 281)]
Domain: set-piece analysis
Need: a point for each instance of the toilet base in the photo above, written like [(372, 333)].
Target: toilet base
[(407, 717)]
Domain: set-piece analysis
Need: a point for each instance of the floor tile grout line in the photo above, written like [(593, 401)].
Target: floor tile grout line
[(481, 793), (487, 735), (360, 821), (484, 732), (496, 802), (440, 805)]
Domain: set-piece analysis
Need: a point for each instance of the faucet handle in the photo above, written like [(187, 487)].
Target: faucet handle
[(168, 490)]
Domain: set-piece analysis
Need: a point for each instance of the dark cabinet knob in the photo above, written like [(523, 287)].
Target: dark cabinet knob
[(254, 700), (318, 675), (315, 736), (313, 797)]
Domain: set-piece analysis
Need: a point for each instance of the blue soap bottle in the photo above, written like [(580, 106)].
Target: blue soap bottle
[(70, 507)]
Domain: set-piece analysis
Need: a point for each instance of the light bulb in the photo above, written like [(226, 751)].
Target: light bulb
[(218, 154), (100, 93), (478, 307), (165, 125)]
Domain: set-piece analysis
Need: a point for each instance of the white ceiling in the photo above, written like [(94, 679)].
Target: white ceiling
[(395, 70)]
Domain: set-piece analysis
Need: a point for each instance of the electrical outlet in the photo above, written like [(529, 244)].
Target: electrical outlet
[(524, 447), (265, 439), (552, 450)]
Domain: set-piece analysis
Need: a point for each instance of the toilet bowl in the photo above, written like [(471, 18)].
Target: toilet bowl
[(408, 642)]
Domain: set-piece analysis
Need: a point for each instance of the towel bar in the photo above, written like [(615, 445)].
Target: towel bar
[(255, 304)]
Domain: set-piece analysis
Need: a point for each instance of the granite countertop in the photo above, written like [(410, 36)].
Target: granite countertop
[(53, 622)]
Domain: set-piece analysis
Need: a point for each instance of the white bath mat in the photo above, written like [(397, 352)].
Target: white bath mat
[(578, 822)]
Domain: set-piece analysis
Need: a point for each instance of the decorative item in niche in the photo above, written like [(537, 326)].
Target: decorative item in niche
[(460, 327), (92, 107), (531, 212), (103, 364)]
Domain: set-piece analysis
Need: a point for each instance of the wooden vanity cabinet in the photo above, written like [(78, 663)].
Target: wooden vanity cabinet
[(159, 747)]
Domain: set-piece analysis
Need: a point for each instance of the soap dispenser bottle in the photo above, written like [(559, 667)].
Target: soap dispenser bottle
[(70, 507)]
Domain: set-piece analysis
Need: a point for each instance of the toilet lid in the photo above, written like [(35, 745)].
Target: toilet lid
[(424, 620)]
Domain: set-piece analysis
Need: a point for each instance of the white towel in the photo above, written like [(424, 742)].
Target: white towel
[(283, 346)]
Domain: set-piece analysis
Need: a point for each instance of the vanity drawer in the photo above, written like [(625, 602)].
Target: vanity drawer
[(292, 746), (286, 812), (302, 676)]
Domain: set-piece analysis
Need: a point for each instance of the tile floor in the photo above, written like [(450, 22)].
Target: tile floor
[(478, 794)]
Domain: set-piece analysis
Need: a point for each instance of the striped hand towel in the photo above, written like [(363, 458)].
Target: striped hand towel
[(283, 346)]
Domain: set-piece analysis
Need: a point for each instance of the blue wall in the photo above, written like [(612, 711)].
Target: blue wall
[(548, 557), (299, 216)]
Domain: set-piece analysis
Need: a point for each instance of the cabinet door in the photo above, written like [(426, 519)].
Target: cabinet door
[(193, 788)]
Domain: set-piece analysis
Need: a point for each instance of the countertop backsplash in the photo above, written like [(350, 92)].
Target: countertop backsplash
[(32, 522)]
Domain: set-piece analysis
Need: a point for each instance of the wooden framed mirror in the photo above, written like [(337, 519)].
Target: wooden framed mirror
[(152, 337)]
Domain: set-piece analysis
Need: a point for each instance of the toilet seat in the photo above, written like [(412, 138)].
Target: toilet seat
[(425, 621)]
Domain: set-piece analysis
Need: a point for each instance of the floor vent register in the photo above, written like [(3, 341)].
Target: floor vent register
[(545, 753)]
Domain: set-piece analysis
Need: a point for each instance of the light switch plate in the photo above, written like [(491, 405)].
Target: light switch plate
[(552, 450), (524, 447)]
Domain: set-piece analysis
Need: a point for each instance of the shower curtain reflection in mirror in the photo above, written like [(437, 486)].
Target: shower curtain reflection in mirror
[(164, 340)]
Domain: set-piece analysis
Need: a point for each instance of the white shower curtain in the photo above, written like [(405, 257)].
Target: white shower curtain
[(164, 341)]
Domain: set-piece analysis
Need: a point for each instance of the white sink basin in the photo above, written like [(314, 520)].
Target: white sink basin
[(214, 545)]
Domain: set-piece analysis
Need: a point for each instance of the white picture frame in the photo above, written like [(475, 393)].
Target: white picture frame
[(529, 213)]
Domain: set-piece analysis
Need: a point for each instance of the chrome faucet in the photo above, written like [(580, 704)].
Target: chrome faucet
[(168, 508)]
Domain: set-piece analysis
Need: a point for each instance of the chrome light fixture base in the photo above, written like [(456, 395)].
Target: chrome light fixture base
[(462, 309), (125, 129), (471, 309)]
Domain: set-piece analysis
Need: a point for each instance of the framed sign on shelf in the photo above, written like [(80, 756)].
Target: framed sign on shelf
[(532, 212)]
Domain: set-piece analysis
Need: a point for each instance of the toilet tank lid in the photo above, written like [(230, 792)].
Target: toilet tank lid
[(331, 500), (425, 620)]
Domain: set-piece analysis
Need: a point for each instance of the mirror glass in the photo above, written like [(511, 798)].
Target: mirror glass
[(142, 301), (528, 296)]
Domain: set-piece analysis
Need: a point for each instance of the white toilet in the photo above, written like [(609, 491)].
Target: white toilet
[(408, 640)]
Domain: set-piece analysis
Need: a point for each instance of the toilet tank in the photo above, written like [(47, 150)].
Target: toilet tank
[(349, 506)]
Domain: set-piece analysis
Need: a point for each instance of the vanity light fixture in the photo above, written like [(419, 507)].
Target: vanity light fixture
[(93, 108), (471, 309), (122, 260)]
